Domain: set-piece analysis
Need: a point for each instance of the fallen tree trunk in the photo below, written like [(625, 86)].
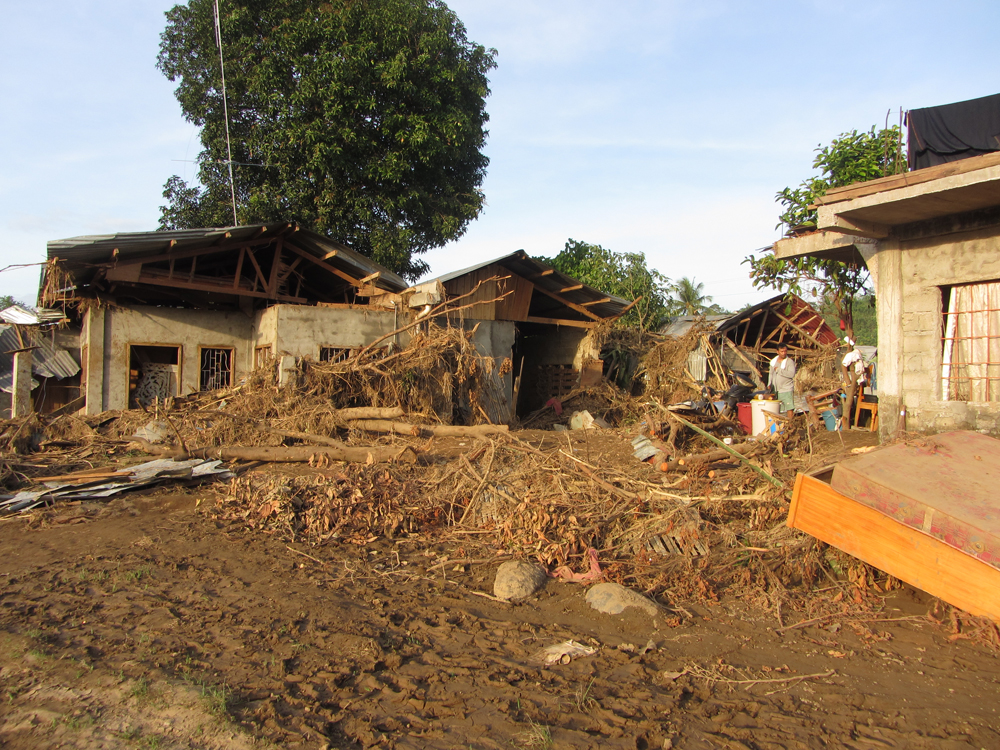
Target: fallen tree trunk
[(284, 454), (416, 430)]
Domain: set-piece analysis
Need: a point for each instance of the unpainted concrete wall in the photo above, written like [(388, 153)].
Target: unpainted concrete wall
[(295, 330), (166, 326), (302, 331), (910, 277)]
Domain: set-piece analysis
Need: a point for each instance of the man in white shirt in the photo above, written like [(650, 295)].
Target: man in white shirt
[(781, 378), (852, 369)]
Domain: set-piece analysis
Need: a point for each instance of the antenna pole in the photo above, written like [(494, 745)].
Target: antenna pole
[(225, 111)]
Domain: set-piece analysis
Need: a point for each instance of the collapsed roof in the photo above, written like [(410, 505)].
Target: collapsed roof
[(218, 267), (560, 299)]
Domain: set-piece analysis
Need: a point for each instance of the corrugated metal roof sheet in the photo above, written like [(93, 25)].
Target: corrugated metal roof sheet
[(16, 314), (685, 323), (48, 360)]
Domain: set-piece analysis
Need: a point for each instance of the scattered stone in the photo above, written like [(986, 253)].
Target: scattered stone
[(613, 599), (518, 579)]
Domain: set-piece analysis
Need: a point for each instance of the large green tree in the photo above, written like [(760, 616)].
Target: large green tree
[(624, 275), (362, 119), (851, 157)]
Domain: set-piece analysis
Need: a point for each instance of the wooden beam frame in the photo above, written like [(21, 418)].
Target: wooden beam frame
[(325, 266), (559, 322), (223, 287), (571, 305)]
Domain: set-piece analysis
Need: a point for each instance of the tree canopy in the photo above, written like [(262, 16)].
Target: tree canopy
[(364, 121), (851, 157), (624, 275)]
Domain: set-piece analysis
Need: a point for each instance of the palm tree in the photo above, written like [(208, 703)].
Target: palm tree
[(688, 298)]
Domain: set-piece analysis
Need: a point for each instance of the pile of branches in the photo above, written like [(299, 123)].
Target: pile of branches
[(510, 498), (664, 367)]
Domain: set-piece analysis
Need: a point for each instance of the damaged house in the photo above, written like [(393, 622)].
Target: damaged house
[(168, 313), (164, 314), (537, 317), (747, 340), (931, 240)]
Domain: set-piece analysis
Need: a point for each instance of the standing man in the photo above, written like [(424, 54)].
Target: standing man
[(781, 378), (852, 369)]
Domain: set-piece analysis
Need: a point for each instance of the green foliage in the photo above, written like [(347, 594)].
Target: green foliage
[(865, 319), (624, 275), (361, 120), (836, 284), (7, 301), (851, 157)]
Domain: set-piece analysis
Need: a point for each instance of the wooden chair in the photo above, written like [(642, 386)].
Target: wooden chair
[(869, 406)]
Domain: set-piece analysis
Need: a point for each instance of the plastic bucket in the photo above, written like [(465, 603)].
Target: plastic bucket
[(744, 417), (757, 409)]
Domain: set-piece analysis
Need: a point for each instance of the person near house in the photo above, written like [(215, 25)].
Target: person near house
[(852, 368), (781, 378)]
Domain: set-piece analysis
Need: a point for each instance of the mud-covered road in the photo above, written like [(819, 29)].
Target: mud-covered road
[(145, 623)]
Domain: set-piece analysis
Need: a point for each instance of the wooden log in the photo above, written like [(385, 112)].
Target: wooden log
[(370, 412), (416, 430), (695, 459), (773, 480), (286, 454)]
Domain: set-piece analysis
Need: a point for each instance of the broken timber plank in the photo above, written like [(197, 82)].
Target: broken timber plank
[(901, 551), (415, 430)]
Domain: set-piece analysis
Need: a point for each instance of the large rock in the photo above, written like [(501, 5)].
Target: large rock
[(613, 599), (518, 579)]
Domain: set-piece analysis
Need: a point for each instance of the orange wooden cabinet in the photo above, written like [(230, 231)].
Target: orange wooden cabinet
[(901, 551)]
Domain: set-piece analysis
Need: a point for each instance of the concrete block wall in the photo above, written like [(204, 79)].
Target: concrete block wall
[(925, 266)]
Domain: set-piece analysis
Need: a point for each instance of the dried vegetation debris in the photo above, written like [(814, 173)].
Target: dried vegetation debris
[(693, 532)]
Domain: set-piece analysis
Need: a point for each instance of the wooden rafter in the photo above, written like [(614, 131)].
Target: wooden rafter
[(628, 307), (180, 254), (223, 286), (549, 272), (260, 274), (239, 267), (571, 305), (272, 282), (798, 328), (325, 266), (596, 302), (570, 288), (559, 322)]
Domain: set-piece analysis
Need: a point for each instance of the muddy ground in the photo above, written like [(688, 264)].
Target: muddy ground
[(146, 622)]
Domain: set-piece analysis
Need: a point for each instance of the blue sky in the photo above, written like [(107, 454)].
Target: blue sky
[(656, 127)]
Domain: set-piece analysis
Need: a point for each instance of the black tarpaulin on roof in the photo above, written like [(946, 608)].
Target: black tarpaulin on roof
[(938, 135)]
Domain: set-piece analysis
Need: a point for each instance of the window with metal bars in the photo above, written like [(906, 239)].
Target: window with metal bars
[(341, 354), (334, 353), (971, 342), (216, 368)]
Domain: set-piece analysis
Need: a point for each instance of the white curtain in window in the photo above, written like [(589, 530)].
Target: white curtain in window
[(971, 370)]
